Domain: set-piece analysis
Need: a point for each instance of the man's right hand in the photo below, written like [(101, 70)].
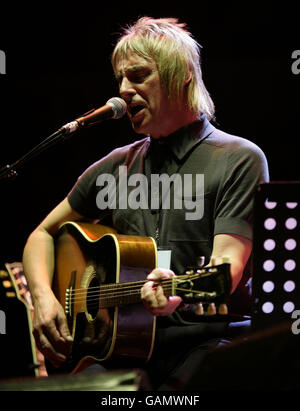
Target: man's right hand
[(50, 329)]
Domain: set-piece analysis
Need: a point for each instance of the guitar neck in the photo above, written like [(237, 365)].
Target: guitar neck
[(112, 295), (205, 285), (187, 286)]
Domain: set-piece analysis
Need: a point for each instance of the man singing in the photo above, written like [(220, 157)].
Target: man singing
[(157, 66)]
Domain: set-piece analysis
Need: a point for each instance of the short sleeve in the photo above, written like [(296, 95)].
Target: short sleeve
[(246, 167), (83, 196)]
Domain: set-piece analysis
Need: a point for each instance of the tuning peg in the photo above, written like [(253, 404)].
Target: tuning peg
[(219, 260), (6, 284), (223, 309), (3, 274), (213, 261), (199, 309), (10, 294), (200, 261), (211, 309), (190, 272)]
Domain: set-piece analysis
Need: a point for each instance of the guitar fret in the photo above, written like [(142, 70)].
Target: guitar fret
[(122, 294)]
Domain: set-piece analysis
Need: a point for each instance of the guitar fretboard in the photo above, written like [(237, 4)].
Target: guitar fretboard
[(112, 295)]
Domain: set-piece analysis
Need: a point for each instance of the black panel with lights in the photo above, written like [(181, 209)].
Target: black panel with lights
[(276, 254)]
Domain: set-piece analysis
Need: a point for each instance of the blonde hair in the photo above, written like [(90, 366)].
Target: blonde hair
[(175, 53)]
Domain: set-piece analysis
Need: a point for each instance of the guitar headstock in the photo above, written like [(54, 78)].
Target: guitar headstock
[(206, 285), (14, 283)]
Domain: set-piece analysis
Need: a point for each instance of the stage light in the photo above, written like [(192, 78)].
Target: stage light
[(289, 286), (268, 265), (291, 223), (267, 307), (291, 205), (269, 244), (289, 265), (268, 286), (290, 244), (270, 204), (270, 224), (288, 307)]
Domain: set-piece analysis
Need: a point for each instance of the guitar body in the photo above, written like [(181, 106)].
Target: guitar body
[(90, 258)]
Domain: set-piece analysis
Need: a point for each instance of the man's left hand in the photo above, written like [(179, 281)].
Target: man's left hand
[(153, 296)]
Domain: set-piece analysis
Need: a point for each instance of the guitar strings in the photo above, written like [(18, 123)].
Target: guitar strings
[(106, 295), (107, 288), (112, 286), (112, 291), (104, 302)]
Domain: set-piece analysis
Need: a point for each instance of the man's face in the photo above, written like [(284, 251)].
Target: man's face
[(149, 108)]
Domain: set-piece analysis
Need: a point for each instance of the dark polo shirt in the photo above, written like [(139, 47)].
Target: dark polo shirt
[(231, 168)]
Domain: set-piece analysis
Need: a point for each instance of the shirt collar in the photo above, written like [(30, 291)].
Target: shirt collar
[(183, 140)]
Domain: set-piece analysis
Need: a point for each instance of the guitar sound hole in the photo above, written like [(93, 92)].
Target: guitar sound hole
[(92, 300)]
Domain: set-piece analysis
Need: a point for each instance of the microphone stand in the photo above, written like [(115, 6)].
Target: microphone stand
[(9, 172), (114, 108)]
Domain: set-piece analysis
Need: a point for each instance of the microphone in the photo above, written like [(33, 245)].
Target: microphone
[(114, 108)]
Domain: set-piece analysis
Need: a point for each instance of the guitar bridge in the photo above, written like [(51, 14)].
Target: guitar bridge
[(69, 301)]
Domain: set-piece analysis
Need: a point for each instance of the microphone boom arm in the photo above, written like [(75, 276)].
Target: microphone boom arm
[(9, 172), (114, 108)]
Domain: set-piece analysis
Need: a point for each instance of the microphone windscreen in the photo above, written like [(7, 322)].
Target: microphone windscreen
[(118, 105)]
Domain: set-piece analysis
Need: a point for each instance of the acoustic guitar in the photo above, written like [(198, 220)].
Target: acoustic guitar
[(98, 279)]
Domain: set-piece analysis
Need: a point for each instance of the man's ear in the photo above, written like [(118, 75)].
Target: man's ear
[(189, 77)]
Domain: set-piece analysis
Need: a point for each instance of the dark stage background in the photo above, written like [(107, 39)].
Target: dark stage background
[(58, 68)]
